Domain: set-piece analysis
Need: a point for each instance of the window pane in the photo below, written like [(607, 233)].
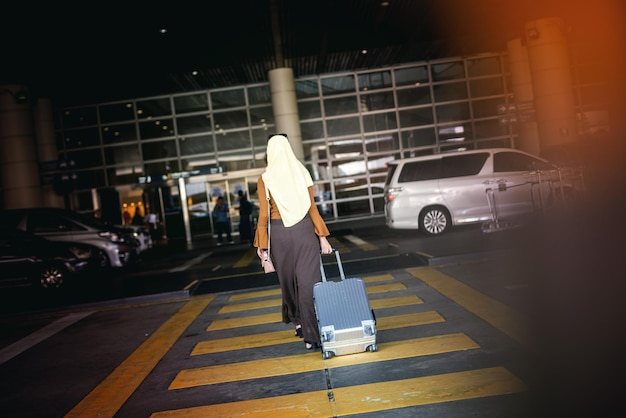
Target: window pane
[(450, 91), (486, 108), (452, 112), (158, 150), (338, 85), (228, 98), (122, 154), (312, 130), (88, 179), (486, 87), (413, 75), (259, 95), (344, 126), (418, 138), (262, 115), (75, 118), (193, 124), (372, 81), (340, 106), (119, 133), (382, 143), (307, 88), (309, 110), (315, 152), (455, 133), (379, 121), (196, 145), (416, 117), (191, 103), (154, 108), (376, 101), (156, 128), (259, 139), (489, 128), (81, 138), (85, 158), (230, 120), (448, 71), (124, 175), (483, 66), (160, 168), (235, 160), (116, 112), (229, 141), (413, 97)]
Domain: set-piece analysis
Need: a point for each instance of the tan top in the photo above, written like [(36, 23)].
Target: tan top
[(260, 237)]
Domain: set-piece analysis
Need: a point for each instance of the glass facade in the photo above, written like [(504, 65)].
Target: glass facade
[(352, 124)]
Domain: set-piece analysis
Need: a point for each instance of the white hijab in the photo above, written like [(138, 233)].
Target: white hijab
[(287, 180)]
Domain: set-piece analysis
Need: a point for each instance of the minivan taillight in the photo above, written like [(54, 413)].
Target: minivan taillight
[(391, 193)]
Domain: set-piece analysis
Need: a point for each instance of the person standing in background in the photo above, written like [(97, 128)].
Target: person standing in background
[(221, 215), (245, 210), (298, 235)]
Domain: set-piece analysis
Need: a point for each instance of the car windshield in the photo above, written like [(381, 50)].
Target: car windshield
[(88, 220)]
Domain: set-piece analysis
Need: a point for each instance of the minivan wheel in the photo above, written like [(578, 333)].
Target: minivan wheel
[(434, 220)]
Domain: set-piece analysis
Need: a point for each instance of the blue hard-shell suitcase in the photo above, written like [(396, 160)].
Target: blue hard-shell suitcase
[(346, 321)]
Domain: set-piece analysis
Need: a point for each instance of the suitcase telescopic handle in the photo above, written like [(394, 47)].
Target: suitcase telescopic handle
[(341, 273)]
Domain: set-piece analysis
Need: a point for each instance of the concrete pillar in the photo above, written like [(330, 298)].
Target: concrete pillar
[(552, 83), (523, 97), (46, 148), (19, 170), (285, 106)]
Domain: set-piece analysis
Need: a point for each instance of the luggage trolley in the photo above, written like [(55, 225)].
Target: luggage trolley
[(496, 223)]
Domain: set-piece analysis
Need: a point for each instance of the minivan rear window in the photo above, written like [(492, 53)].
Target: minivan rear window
[(463, 165), (391, 168), (420, 170), (514, 161)]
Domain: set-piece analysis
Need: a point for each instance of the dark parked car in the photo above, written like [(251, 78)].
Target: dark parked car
[(115, 246), (29, 260)]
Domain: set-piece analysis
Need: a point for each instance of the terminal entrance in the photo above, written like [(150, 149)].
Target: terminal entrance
[(202, 193)]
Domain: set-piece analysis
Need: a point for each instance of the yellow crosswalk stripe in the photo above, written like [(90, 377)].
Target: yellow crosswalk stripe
[(245, 322), (494, 312), (377, 278), (362, 244), (426, 390), (393, 302), (109, 396), (285, 337), (280, 366), (277, 292), (245, 259), (269, 303), (254, 295), (362, 399)]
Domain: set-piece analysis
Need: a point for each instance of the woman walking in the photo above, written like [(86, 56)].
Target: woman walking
[(298, 235)]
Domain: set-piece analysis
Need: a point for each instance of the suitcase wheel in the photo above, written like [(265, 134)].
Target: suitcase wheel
[(326, 355), (373, 348)]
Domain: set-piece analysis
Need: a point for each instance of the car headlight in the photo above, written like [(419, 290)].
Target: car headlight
[(112, 236)]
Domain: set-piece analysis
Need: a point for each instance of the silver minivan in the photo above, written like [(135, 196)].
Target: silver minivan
[(434, 192)]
